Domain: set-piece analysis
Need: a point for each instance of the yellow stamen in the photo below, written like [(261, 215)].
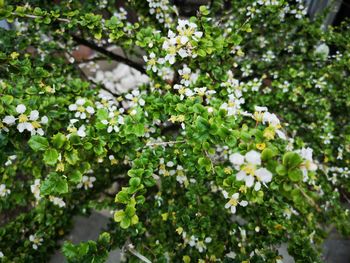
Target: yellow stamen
[(23, 118)]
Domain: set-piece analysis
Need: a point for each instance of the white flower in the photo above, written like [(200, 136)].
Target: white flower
[(260, 109), (233, 202), (236, 159), (30, 123), (81, 131), (249, 171), (151, 62), (57, 201), (271, 119), (1, 254), (322, 50), (9, 120), (113, 121), (81, 111), (3, 191), (185, 74), (37, 241), (21, 108), (308, 163), (35, 189), (233, 106), (10, 160), (135, 98), (87, 182)]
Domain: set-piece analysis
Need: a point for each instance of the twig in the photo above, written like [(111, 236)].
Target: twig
[(163, 143), (35, 17), (109, 54), (309, 199), (138, 255)]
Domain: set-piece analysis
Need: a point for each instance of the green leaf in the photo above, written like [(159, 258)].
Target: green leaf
[(75, 176), (134, 220), (287, 187), (139, 130), (125, 223), (281, 170), (54, 184), (38, 143), (72, 157), (267, 154), (119, 215), (203, 161), (58, 140), (51, 157), (204, 10), (122, 197), (134, 182), (291, 160), (130, 210), (7, 99), (295, 175)]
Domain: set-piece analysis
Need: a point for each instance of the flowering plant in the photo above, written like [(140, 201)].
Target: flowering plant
[(232, 140)]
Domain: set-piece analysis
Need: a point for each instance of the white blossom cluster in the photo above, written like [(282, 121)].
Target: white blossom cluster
[(250, 170), (235, 99), (194, 241), (10, 160), (25, 121), (176, 44), (121, 14), (4, 191), (86, 182), (36, 241), (299, 10), (161, 9), (83, 111), (35, 189), (57, 201)]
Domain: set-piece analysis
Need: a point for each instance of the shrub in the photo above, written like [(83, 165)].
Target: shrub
[(237, 142)]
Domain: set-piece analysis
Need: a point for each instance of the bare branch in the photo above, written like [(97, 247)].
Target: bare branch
[(109, 54)]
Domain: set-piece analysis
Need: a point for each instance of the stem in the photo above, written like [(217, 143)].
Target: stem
[(138, 255), (309, 199), (35, 17), (163, 143), (109, 54)]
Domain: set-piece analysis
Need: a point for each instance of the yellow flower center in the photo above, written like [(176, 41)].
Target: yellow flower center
[(81, 109), (36, 124), (233, 202), (243, 189), (258, 116), (72, 129), (231, 104), (249, 169), (260, 146), (112, 122), (152, 62), (23, 118), (186, 76)]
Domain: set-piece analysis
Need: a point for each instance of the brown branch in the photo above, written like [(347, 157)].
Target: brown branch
[(109, 54)]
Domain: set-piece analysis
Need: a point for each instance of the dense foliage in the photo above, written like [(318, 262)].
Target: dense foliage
[(237, 141)]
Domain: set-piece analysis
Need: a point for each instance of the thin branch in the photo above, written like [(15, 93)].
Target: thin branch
[(35, 17), (309, 199), (138, 255), (163, 143), (109, 54)]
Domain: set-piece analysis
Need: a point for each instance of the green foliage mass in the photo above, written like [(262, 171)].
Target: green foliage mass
[(237, 142)]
